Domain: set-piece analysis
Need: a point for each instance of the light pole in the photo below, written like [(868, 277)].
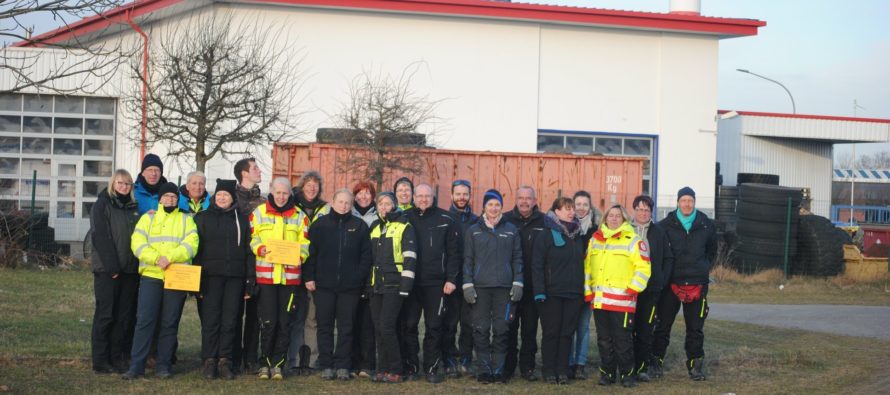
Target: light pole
[(793, 107)]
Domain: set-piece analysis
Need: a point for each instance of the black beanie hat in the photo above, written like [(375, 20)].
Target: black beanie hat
[(168, 188), (684, 192), (152, 160), (492, 194), (405, 180), (226, 185)]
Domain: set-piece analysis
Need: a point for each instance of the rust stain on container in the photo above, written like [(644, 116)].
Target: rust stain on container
[(609, 179)]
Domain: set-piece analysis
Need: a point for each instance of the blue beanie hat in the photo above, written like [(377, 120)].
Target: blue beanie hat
[(152, 160), (492, 194), (684, 192)]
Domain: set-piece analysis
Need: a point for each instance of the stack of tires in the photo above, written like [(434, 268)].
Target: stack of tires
[(757, 178), (725, 218), (763, 212), (820, 247)]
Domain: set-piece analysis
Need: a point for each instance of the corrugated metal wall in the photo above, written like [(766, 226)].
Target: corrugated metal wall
[(816, 129), (799, 163), (91, 75)]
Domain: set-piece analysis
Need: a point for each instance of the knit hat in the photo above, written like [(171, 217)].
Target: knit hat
[(492, 194), (226, 185), (168, 188), (684, 192), (152, 160), (405, 180)]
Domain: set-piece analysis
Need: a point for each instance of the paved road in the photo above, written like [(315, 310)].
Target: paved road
[(864, 321)]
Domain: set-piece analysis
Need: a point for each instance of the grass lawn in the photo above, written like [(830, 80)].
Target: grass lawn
[(764, 288), (45, 332)]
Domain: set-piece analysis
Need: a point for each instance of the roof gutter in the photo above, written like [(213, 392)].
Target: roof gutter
[(144, 127)]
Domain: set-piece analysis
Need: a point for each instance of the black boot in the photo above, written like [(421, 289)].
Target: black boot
[(629, 379), (225, 369), (305, 354), (656, 367), (642, 372), (696, 369), (606, 378), (209, 370)]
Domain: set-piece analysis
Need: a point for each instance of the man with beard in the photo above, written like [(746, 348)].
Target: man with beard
[(463, 214)]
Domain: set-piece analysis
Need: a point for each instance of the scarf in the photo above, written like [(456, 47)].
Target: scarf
[(586, 221), (569, 229), (492, 224), (642, 230), (287, 206), (307, 206), (361, 210), (686, 221), (607, 232), (152, 189), (465, 213)]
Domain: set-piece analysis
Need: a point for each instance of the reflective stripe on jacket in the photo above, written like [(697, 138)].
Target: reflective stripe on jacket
[(613, 266), (267, 224), (172, 235), (394, 251)]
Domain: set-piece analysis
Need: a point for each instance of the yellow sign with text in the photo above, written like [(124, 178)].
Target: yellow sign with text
[(182, 277), (285, 252)]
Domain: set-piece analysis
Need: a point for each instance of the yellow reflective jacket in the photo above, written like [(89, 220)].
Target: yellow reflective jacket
[(616, 269), (268, 224), (173, 235)]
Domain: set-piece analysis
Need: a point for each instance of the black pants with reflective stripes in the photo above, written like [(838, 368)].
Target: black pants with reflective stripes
[(559, 319), (385, 310), (491, 325), (524, 328), (276, 306), (114, 320), (364, 348), (694, 314), (335, 308), (644, 329), (465, 339), (430, 302), (220, 307), (452, 314), (614, 339), (248, 352)]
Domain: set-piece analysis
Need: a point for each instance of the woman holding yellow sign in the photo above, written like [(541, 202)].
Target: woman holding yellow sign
[(161, 239), (281, 244)]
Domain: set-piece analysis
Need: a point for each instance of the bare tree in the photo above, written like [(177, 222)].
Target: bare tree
[(219, 88), (85, 66), (388, 123), (877, 160)]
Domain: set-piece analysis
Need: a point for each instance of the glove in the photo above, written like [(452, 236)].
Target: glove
[(261, 252), (516, 293), (470, 294), (540, 297)]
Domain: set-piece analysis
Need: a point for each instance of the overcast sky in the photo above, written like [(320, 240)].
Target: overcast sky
[(827, 52)]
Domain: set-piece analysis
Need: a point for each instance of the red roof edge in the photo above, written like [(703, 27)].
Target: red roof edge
[(473, 8), (806, 116)]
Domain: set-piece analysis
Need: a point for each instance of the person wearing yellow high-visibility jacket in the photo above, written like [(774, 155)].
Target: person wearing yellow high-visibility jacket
[(616, 270), (161, 238), (277, 219)]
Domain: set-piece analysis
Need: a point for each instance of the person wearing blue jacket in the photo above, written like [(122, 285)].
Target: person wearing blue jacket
[(193, 196), (492, 284), (148, 183)]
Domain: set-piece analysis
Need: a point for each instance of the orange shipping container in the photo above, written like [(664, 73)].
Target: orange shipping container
[(609, 179)]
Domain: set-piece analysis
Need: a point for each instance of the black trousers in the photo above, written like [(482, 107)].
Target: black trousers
[(559, 320), (614, 339), (385, 310), (525, 327), (220, 307), (491, 325), (644, 329), (465, 341), (450, 319), (250, 341), (335, 307), (276, 305), (430, 301), (364, 348), (694, 314), (115, 317)]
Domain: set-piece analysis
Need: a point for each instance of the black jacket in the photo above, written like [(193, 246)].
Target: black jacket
[(558, 269), (529, 228), (660, 256), (220, 251), (438, 246), (694, 252), (112, 221), (339, 252), (385, 275), (492, 257), (464, 219)]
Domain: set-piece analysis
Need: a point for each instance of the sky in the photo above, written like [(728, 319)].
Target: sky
[(827, 52)]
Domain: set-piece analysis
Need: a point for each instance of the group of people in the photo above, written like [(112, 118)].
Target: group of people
[(368, 265)]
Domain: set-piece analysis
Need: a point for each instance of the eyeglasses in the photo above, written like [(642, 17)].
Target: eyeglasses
[(123, 183), (461, 182)]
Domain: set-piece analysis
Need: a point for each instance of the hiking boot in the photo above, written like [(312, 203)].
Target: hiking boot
[(163, 374), (392, 378), (343, 374), (551, 380), (378, 377), (434, 377), (643, 377), (465, 367), (250, 368), (130, 376), (452, 372), (104, 368), (562, 380), (656, 368), (210, 368), (224, 367), (263, 373), (484, 378), (327, 374), (277, 374), (501, 378), (696, 369), (606, 378), (628, 380), (579, 373), (529, 375)]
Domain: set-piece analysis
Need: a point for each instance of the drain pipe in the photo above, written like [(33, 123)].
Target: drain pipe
[(144, 84)]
